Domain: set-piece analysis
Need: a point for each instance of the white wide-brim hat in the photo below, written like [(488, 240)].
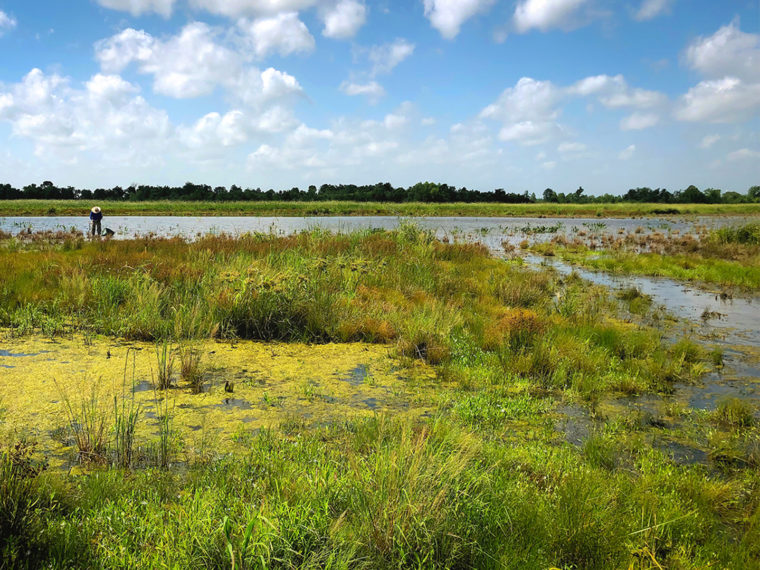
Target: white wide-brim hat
[(96, 210)]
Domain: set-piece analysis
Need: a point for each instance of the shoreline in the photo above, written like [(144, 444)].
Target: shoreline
[(50, 208)]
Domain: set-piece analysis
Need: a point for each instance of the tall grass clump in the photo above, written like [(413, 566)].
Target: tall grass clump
[(127, 413), (164, 365), (747, 234), (190, 368), (88, 421), (735, 412)]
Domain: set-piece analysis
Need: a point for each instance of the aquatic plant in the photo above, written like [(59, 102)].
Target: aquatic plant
[(126, 413), (164, 365), (89, 424), (190, 368), (734, 412)]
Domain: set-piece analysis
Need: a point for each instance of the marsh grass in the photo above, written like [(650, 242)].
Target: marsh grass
[(190, 368), (126, 413), (729, 256), (164, 365), (89, 421), (735, 413), (486, 482)]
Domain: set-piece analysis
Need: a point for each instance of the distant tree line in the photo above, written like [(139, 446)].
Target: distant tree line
[(381, 192)]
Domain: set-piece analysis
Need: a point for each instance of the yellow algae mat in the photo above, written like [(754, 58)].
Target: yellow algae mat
[(48, 385)]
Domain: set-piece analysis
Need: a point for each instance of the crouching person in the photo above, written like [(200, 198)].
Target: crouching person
[(95, 219)]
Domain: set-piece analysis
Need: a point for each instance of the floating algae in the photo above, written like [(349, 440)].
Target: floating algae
[(273, 383)]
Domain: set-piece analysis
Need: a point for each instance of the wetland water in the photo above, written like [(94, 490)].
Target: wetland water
[(732, 324), (490, 231)]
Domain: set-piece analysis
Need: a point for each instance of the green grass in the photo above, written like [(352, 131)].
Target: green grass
[(386, 494), (486, 482), (401, 287), (727, 257), (280, 208)]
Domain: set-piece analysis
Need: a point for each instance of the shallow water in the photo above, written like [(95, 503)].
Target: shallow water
[(490, 231), (273, 382), (736, 333)]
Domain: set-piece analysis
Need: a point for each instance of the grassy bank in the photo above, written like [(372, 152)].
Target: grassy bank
[(484, 479), (77, 208), (728, 257)]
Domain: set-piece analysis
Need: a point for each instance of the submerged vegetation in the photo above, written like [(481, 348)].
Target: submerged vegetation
[(467, 471)]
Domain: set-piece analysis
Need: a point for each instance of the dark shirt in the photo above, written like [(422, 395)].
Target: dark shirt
[(96, 217)]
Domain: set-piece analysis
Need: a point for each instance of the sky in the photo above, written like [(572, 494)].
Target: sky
[(514, 94)]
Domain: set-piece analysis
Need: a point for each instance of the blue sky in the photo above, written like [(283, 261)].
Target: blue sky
[(515, 94)]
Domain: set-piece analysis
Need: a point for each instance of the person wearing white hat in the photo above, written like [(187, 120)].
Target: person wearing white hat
[(95, 217)]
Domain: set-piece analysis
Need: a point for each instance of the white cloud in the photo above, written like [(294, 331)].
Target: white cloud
[(650, 9), (730, 60), (237, 8), (743, 154), (728, 52), (7, 22), (627, 153), (547, 14), (719, 101), (350, 147), (614, 92), (639, 121), (137, 7), (283, 33), (106, 119), (527, 111), (344, 19), (447, 16), (372, 90), (188, 65), (708, 141), (387, 56), (194, 64), (549, 165)]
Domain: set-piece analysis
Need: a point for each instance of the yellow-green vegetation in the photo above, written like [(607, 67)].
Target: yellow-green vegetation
[(234, 389), (284, 208), (728, 257), (397, 396)]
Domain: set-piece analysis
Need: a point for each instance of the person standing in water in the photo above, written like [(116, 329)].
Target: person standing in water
[(95, 217)]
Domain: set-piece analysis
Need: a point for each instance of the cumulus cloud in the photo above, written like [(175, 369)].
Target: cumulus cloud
[(650, 9), (372, 147), (730, 60), (614, 92), (283, 33), (547, 14), (7, 22), (343, 20), (190, 64), (627, 153), (528, 111), (447, 16), (138, 7), (106, 118), (728, 52), (387, 56), (719, 101), (194, 64), (639, 121)]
